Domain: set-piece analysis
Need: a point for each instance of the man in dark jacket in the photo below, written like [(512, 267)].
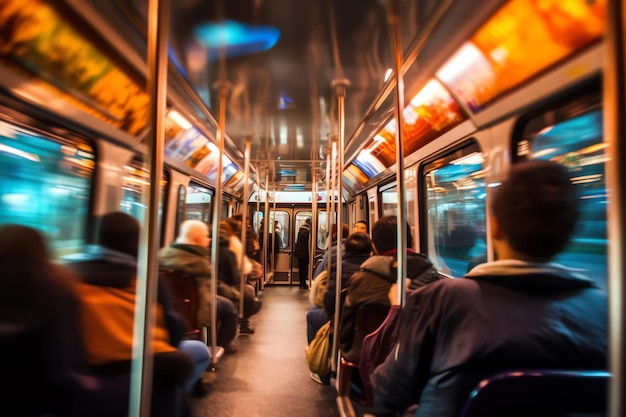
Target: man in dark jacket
[(518, 312), (302, 253), (371, 284)]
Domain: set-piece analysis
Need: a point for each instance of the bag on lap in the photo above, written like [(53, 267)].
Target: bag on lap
[(318, 352)]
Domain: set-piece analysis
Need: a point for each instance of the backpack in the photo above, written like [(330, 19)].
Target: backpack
[(318, 352)]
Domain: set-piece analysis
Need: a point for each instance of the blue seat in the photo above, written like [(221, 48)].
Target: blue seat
[(539, 393)]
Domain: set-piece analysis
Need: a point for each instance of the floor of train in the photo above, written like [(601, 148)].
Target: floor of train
[(268, 376)]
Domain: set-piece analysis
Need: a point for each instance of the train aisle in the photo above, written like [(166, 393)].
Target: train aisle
[(268, 376)]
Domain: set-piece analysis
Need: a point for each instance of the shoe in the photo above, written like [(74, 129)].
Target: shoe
[(228, 349), (199, 390), (322, 380), (304, 287), (246, 329)]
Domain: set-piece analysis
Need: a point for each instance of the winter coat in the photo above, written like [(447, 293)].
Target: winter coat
[(503, 315), (370, 286), (351, 263), (302, 242)]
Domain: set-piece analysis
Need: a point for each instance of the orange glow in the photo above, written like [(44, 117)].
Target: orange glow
[(523, 38)]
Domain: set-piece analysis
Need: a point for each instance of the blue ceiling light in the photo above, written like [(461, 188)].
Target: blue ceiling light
[(235, 39)]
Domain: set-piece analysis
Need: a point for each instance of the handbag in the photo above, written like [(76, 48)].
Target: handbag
[(318, 352)]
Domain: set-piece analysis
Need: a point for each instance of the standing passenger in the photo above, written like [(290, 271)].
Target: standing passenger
[(360, 227), (302, 253), (520, 311)]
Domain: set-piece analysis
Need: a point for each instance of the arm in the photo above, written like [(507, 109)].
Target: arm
[(400, 379)]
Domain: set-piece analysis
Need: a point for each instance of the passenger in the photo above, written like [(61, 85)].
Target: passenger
[(108, 274), (44, 371), (518, 312), (371, 284), (233, 276), (316, 317), (189, 254), (345, 231), (358, 248), (360, 227), (302, 252)]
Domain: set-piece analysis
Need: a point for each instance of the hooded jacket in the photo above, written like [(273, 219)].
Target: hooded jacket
[(107, 293), (370, 286), (503, 315)]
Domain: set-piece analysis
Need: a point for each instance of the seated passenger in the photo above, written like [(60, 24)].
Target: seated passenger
[(233, 275), (190, 255), (108, 274), (43, 363), (518, 312), (371, 284)]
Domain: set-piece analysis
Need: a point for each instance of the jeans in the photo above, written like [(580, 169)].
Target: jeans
[(201, 358), (227, 321), (315, 319)]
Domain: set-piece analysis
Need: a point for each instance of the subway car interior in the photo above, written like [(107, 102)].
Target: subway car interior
[(297, 118)]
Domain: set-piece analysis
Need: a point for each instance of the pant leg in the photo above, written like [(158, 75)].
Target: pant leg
[(315, 319), (227, 321), (303, 270), (201, 358)]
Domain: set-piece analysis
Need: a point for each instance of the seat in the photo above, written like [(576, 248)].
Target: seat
[(185, 290), (539, 393), (368, 319)]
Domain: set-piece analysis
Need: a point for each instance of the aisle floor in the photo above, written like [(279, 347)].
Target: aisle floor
[(268, 376)]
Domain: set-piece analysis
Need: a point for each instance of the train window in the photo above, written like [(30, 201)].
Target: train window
[(322, 229), (199, 204), (46, 184), (573, 136), (389, 197), (135, 184), (281, 227), (301, 218), (455, 204)]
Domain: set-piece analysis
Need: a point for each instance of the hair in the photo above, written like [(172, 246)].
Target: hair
[(225, 230), (358, 243), (120, 232), (29, 281), (385, 234), (361, 221), (537, 208), (235, 224), (190, 231), (345, 231)]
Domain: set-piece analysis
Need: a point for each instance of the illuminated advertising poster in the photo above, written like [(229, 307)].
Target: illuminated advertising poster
[(497, 57), (431, 112), (368, 164), (354, 178), (185, 144)]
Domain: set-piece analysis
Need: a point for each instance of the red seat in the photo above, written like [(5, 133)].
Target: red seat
[(185, 290)]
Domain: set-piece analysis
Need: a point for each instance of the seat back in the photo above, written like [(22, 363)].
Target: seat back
[(368, 318), (539, 393), (185, 290)]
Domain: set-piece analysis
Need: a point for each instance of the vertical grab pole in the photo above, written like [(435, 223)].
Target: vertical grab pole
[(615, 132), (331, 200), (340, 84), (313, 233), (244, 216), (266, 228), (147, 282), (396, 49), (223, 88)]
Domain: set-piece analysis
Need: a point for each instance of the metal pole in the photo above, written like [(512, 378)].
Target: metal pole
[(340, 84), (266, 228), (244, 216), (147, 278), (313, 233), (615, 132), (223, 88), (396, 49)]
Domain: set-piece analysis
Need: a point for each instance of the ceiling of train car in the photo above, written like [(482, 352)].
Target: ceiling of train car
[(280, 62)]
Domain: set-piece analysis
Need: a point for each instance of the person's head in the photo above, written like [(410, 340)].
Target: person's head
[(235, 224), (194, 232), (345, 231), (534, 211), (308, 221), (358, 244), (385, 234), (225, 231), (360, 226), (23, 252), (120, 232)]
